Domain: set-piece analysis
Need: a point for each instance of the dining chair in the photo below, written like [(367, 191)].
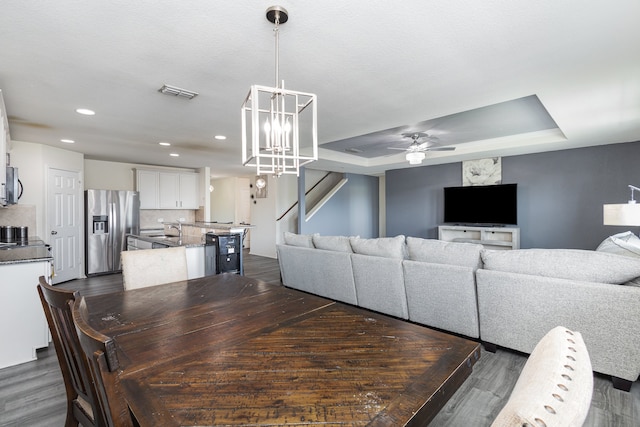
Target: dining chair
[(151, 267), (100, 351), (73, 363)]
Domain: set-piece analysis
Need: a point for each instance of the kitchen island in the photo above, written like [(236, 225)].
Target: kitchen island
[(201, 261), (23, 327)]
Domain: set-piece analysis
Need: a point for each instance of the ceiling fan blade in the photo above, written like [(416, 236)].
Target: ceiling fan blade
[(440, 148), (397, 148)]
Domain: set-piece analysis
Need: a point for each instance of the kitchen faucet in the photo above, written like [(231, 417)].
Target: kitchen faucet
[(177, 227)]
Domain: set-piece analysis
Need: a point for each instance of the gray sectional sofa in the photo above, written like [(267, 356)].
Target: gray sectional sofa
[(502, 298)]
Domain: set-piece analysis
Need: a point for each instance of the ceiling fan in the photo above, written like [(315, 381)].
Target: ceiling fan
[(415, 151)]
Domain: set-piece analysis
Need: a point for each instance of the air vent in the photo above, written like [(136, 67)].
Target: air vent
[(176, 91)]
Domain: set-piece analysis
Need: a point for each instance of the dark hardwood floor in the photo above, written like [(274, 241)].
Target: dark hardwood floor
[(32, 394)]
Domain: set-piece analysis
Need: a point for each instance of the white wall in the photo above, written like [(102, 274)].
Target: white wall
[(204, 213), (223, 199), (382, 208), (281, 194), (33, 162), (100, 175)]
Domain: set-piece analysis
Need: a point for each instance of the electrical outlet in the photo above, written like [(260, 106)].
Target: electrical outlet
[(160, 219), (182, 220)]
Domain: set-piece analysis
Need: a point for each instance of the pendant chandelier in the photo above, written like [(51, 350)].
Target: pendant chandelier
[(279, 126)]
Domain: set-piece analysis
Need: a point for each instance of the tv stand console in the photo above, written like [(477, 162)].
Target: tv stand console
[(490, 237)]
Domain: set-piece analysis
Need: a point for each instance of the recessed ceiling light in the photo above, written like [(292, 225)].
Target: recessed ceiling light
[(166, 144), (67, 141), (220, 137), (174, 155), (85, 111)]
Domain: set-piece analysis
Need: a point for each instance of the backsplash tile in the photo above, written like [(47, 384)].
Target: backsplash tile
[(19, 216)]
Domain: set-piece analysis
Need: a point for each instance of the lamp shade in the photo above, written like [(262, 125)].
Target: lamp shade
[(621, 214)]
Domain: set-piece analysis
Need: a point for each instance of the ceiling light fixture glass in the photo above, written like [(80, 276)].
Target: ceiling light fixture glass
[(164, 144), (220, 137), (276, 121), (415, 157), (67, 141), (85, 112)]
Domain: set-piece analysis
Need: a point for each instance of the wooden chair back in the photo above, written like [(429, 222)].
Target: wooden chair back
[(103, 360), (150, 267), (73, 362)]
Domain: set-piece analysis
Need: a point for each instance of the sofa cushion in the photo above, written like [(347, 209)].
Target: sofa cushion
[(572, 264), (332, 243), (441, 252), (626, 243), (555, 385), (389, 247), (303, 240)]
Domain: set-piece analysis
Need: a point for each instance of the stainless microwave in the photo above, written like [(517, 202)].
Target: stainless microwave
[(12, 187)]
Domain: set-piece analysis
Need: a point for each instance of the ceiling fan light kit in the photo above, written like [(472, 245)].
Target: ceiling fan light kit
[(415, 157), (416, 151), (275, 121)]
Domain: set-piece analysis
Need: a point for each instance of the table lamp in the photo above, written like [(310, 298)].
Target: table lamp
[(623, 213)]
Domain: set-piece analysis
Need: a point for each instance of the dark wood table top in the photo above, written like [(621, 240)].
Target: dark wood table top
[(229, 350)]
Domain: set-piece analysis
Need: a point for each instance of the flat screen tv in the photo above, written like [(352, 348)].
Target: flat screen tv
[(482, 205)]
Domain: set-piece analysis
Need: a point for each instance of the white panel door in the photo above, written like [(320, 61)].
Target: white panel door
[(64, 212)]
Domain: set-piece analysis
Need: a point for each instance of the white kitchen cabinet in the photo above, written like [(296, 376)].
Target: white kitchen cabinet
[(167, 190), (23, 327), (148, 187), (189, 191), (178, 190), (4, 148), (195, 262)]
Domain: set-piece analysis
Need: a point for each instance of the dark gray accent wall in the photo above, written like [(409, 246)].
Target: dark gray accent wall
[(352, 211), (560, 194)]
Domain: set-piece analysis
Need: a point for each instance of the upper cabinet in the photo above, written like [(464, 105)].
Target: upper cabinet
[(4, 148), (167, 190), (147, 186)]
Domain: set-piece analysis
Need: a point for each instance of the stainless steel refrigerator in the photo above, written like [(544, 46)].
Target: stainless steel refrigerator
[(110, 216)]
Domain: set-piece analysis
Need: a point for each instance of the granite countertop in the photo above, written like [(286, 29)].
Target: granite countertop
[(188, 241), (34, 250), (214, 225)]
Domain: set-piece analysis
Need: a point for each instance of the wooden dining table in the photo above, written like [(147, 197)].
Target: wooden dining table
[(235, 351)]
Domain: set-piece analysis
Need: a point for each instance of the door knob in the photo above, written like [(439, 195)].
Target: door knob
[(54, 232)]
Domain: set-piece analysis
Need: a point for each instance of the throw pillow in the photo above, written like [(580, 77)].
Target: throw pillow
[(441, 252), (390, 247), (332, 243), (303, 240), (626, 243), (555, 385), (571, 264)]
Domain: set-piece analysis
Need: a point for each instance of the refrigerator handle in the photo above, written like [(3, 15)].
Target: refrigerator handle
[(111, 237)]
